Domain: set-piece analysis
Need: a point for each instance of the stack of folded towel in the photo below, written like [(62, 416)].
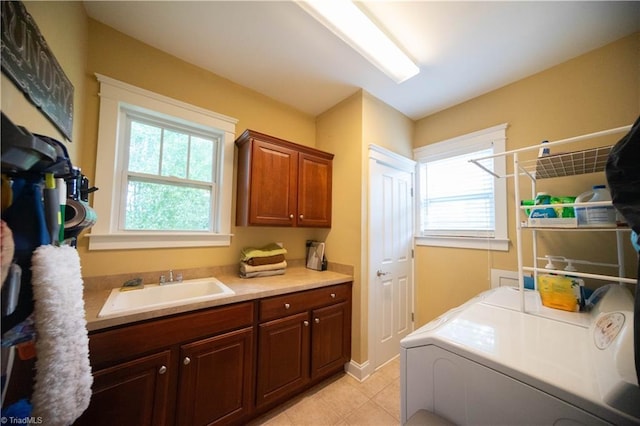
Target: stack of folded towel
[(262, 262)]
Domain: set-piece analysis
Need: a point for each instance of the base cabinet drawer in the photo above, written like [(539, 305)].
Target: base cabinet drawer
[(292, 303)]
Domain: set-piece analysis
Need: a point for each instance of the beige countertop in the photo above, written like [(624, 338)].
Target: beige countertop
[(296, 278)]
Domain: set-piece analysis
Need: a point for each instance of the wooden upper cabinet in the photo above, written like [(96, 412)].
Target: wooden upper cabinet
[(314, 191), (281, 183)]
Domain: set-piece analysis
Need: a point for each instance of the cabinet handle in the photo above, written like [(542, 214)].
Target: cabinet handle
[(301, 216), (333, 295), (306, 323), (317, 320), (287, 306), (291, 216), (186, 360), (162, 370)]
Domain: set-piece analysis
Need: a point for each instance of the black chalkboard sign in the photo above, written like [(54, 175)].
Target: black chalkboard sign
[(28, 62)]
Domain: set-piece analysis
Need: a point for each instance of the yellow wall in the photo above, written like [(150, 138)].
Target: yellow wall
[(348, 129), (386, 127), (339, 130), (118, 56), (64, 27), (596, 91)]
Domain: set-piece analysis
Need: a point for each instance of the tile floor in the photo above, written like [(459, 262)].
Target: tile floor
[(343, 400)]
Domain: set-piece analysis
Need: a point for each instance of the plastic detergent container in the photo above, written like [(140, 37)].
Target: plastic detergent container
[(598, 215)]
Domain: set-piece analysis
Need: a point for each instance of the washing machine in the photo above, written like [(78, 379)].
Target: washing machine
[(489, 362)]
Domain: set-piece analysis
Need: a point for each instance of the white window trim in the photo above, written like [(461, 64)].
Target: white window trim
[(497, 135), (105, 234)]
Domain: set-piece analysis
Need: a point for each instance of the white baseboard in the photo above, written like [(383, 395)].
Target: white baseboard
[(358, 371)]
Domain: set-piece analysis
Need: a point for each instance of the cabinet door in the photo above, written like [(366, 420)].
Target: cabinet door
[(216, 379), (314, 191), (283, 357), (273, 185), (330, 340), (131, 393)]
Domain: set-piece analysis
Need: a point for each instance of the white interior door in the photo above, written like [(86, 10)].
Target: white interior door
[(391, 212)]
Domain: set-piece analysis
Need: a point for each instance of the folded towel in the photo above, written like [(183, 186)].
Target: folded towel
[(262, 273), (63, 380), (255, 261), (244, 268), (268, 250)]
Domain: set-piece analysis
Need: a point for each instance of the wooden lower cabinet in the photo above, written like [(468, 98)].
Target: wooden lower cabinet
[(190, 369), (298, 350), (331, 340), (215, 379), (283, 357), (133, 392), (218, 366)]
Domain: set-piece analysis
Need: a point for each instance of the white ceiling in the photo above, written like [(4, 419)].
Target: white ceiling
[(463, 49)]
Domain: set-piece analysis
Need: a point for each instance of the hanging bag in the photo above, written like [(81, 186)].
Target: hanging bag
[(623, 176)]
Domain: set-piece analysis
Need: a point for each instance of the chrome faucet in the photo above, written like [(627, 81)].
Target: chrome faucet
[(163, 278)]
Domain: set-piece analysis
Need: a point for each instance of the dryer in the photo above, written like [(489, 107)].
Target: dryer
[(487, 362)]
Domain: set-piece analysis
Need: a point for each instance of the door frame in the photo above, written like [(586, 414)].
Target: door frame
[(392, 159)]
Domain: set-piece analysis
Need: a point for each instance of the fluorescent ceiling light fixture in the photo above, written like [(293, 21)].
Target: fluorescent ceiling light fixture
[(349, 23)]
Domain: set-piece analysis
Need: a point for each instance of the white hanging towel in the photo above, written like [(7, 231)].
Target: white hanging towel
[(62, 389)]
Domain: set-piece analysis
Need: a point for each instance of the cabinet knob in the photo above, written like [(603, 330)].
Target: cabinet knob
[(306, 323), (301, 216), (291, 216), (317, 320), (287, 306), (162, 370), (333, 295), (186, 360)]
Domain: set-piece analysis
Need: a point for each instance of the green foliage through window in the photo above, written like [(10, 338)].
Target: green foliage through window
[(170, 179)]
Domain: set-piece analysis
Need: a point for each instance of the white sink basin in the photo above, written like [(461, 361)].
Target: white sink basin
[(154, 296)]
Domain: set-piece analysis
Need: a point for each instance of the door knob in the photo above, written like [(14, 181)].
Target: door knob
[(301, 216), (291, 216), (306, 323), (186, 360), (317, 320), (287, 306), (380, 273), (162, 370)]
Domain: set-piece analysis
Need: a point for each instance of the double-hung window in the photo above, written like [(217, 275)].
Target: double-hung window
[(460, 204), (164, 169)]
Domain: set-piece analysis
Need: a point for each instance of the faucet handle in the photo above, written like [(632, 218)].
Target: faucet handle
[(179, 277), (162, 279)]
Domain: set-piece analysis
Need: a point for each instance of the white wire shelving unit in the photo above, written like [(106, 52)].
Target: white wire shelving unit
[(591, 160)]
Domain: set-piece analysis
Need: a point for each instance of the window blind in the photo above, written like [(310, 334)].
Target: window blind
[(457, 196)]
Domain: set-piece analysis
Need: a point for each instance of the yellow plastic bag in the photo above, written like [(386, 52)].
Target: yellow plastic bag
[(560, 292)]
